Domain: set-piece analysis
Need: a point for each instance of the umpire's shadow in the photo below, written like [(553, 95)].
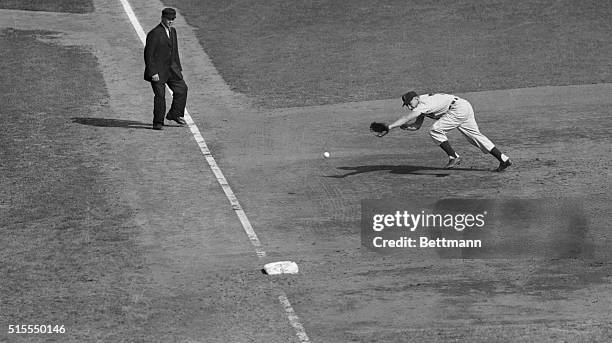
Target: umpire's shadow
[(400, 169), (106, 122)]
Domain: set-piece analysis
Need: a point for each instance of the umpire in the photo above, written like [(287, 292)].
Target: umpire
[(163, 66)]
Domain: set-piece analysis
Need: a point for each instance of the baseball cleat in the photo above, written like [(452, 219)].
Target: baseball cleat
[(453, 162), (503, 165)]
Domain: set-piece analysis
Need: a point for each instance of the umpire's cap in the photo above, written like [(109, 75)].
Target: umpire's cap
[(169, 13), (406, 98)]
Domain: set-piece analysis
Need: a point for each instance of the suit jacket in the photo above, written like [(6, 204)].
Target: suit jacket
[(161, 54)]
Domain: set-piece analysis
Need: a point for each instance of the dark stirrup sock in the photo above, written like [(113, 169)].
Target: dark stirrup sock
[(498, 155), (448, 149)]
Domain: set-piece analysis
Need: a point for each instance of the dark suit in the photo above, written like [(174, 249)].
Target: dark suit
[(162, 58)]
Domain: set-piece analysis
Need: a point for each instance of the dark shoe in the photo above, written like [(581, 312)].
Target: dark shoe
[(157, 126), (179, 120), (453, 162), (503, 165)]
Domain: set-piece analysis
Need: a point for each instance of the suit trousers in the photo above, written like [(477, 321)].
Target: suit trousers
[(179, 99)]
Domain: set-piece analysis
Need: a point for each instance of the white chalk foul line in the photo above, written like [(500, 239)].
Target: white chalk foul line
[(135, 23), (246, 224), (244, 220), (294, 320)]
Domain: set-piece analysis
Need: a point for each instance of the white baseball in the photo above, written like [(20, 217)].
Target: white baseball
[(326, 154)]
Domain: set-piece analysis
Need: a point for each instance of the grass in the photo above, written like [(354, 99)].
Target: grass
[(297, 53), (72, 6)]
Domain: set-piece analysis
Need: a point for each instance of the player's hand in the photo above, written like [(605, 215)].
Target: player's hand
[(155, 77)]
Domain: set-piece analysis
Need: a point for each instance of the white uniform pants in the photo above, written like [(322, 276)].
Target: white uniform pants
[(461, 117)]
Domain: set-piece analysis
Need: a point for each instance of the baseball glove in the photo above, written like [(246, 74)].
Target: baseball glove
[(380, 129)]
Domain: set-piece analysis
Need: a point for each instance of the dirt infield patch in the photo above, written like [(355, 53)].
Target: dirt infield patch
[(307, 208), (299, 53), (70, 6)]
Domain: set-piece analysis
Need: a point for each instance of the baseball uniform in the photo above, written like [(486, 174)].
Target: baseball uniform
[(451, 112)]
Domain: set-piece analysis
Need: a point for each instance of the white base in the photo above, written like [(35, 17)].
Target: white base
[(281, 267)]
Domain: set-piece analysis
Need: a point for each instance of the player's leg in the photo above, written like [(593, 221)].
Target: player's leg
[(470, 131), (483, 143), (504, 161), (476, 138), (159, 104), (438, 134)]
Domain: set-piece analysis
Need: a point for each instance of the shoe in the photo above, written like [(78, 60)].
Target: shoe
[(179, 120), (158, 126), (453, 162), (503, 165)]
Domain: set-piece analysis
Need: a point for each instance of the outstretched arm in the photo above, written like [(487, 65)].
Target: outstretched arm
[(381, 129), (412, 115)]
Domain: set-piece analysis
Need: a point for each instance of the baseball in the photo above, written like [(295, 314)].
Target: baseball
[(326, 154)]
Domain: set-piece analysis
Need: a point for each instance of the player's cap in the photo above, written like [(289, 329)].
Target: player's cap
[(406, 98), (169, 13)]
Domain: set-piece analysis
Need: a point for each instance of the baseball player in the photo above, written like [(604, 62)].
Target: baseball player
[(449, 112)]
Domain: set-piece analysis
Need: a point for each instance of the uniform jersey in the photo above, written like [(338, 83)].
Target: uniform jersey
[(435, 105)]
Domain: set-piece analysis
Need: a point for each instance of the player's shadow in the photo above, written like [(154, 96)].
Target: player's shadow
[(106, 122), (400, 169)]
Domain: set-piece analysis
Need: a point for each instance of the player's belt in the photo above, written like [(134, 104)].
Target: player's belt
[(453, 102)]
